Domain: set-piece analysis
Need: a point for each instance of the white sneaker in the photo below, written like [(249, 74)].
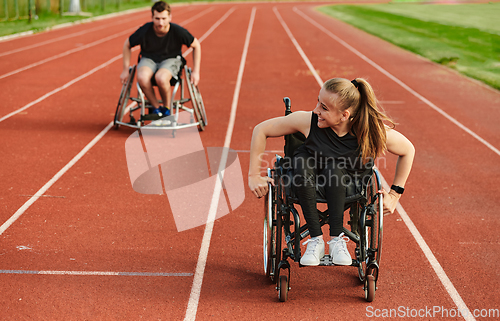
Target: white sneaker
[(162, 122), (337, 248), (314, 252)]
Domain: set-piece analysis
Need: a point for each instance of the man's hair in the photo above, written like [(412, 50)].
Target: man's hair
[(160, 6)]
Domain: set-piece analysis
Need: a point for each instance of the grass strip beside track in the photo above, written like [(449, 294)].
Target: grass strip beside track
[(453, 37), (46, 20)]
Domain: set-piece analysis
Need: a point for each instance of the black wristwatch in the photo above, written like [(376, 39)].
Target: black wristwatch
[(398, 189)]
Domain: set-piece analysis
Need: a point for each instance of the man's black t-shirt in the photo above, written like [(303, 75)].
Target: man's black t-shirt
[(160, 48)]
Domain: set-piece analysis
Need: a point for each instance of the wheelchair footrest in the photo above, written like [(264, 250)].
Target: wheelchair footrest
[(150, 117), (327, 261)]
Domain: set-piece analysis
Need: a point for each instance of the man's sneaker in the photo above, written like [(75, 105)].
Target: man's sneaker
[(314, 252), (161, 111), (164, 111), (337, 248)]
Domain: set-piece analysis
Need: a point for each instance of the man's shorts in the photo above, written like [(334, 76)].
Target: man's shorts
[(172, 64)]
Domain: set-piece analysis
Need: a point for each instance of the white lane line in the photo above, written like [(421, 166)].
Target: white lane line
[(438, 269), (66, 53), (399, 82), (71, 35), (92, 44), (92, 273), (209, 31), (194, 297), (87, 74), (75, 34), (55, 91), (196, 16), (74, 23), (297, 46), (54, 179), (428, 254), (35, 197)]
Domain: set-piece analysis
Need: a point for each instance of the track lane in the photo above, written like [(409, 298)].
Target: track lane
[(37, 81), (234, 285), (75, 235), (36, 132), (453, 153), (309, 286)]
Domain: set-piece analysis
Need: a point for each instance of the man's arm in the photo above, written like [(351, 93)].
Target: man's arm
[(127, 53), (195, 75)]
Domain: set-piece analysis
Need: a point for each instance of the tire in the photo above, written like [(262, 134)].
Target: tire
[(269, 238), (278, 223), (370, 288), (124, 97), (196, 101), (370, 227), (283, 288), (201, 106)]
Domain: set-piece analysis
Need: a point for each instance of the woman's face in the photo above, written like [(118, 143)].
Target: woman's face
[(329, 114)]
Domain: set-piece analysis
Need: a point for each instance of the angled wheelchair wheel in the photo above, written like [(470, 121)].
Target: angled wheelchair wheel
[(196, 100), (124, 97), (201, 106), (370, 227)]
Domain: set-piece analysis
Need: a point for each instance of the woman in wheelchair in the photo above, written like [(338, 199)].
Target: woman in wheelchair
[(344, 133)]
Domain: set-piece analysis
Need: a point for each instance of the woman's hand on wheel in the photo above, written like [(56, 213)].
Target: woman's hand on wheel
[(259, 184), (391, 200)]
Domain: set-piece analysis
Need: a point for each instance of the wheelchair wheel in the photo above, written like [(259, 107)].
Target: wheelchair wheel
[(370, 230), (272, 245), (124, 97), (270, 232), (196, 101), (201, 106), (370, 288), (283, 288)]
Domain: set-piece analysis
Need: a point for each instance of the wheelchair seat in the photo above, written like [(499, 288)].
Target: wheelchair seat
[(354, 190), (190, 101)]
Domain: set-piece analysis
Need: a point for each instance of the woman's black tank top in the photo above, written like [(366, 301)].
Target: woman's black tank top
[(326, 146)]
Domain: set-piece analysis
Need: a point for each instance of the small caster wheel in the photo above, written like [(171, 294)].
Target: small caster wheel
[(283, 285), (370, 288)]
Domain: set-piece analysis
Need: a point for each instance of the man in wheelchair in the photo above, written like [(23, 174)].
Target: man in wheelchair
[(161, 57), (344, 134)]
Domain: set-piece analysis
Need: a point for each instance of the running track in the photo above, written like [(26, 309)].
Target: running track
[(77, 243)]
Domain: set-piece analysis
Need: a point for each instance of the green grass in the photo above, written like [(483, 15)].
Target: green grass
[(463, 37), (46, 19)]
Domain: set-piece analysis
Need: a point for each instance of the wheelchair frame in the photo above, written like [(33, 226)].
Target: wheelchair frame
[(197, 107), (282, 225)]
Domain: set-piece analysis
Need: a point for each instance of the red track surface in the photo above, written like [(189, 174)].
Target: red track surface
[(92, 220)]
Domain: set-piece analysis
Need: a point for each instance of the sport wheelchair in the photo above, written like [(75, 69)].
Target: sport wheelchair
[(192, 104), (282, 222)]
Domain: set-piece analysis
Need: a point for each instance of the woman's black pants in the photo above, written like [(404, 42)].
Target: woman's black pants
[(308, 174)]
